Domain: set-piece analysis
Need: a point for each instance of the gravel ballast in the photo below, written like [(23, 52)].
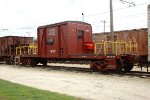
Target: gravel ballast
[(85, 85)]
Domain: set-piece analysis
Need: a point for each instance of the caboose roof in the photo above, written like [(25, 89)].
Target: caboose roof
[(61, 23)]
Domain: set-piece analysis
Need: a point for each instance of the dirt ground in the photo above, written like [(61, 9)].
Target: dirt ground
[(85, 85)]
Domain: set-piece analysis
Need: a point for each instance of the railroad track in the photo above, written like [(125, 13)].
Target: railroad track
[(70, 69), (88, 70), (139, 74)]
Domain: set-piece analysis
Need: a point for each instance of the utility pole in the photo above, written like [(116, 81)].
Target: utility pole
[(103, 21), (111, 15), (111, 21)]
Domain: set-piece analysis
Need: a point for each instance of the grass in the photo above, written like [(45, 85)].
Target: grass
[(12, 91)]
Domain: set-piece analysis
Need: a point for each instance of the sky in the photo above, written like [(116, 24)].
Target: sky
[(22, 17)]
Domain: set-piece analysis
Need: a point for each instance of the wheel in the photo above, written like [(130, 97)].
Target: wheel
[(93, 66), (11, 62), (33, 62), (6, 62), (119, 66), (44, 62), (128, 66), (24, 62)]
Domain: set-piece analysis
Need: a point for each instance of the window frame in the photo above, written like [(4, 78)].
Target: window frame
[(80, 34), (50, 41)]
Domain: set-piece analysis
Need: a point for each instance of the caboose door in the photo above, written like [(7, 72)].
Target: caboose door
[(52, 42), (80, 42)]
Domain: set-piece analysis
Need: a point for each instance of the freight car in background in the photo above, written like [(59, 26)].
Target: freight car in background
[(72, 41), (134, 36), (8, 46)]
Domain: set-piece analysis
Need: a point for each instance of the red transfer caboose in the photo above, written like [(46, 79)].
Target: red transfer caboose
[(61, 40), (67, 40)]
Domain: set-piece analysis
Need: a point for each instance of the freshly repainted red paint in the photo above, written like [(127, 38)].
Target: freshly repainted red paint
[(62, 40)]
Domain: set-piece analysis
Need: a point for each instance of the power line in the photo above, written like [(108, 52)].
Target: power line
[(95, 15), (129, 16), (127, 2), (113, 10), (32, 27), (125, 17), (100, 26)]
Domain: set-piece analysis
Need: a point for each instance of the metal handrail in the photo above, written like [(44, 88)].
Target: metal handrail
[(31, 49), (116, 47)]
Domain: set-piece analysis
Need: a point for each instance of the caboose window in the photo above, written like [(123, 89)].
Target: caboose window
[(80, 34), (17, 41), (50, 41)]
